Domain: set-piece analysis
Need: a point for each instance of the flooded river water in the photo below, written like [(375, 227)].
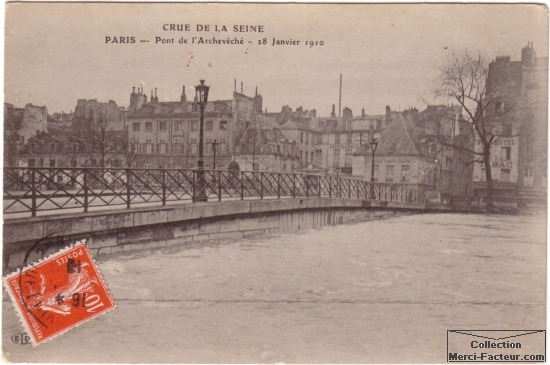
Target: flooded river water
[(373, 292)]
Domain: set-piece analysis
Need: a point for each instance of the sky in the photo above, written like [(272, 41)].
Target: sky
[(56, 53)]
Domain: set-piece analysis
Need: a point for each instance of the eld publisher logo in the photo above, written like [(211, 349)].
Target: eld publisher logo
[(496, 345)]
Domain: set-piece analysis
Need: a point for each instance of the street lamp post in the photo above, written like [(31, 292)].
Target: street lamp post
[(202, 99), (215, 149), (373, 146)]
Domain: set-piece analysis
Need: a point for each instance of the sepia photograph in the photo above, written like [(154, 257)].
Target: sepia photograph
[(274, 183)]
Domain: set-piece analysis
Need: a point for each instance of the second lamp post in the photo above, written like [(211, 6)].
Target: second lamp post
[(373, 146), (202, 99)]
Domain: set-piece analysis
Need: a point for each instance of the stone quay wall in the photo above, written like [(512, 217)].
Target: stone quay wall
[(27, 240)]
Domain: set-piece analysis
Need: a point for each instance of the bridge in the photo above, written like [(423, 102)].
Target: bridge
[(42, 191), (122, 209)]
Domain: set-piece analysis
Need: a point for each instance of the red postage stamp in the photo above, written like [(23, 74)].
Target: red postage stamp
[(59, 293)]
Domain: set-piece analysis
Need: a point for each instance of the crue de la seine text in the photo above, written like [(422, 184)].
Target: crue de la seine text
[(216, 40)]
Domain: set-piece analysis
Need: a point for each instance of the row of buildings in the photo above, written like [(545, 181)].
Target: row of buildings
[(413, 146)]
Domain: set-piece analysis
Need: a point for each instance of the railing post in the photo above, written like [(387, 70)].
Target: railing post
[(330, 187), (33, 193), (294, 186), (194, 185), (307, 186), (163, 187), (319, 185), (219, 185), (242, 185), (261, 185), (279, 186), (128, 187), (349, 188), (85, 190)]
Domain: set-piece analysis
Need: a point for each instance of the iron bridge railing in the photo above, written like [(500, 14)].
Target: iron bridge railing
[(32, 190)]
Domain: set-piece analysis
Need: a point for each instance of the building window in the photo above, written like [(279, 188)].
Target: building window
[(178, 126), (448, 162), (318, 156), (194, 126), (505, 175), (194, 147), (301, 156), (136, 127), (336, 159), (117, 163), (148, 127), (349, 138), (223, 125), (162, 126), (301, 137), (506, 153), (93, 162), (348, 158), (319, 139), (307, 139), (52, 163), (209, 126), (149, 146), (162, 146), (208, 144), (311, 160), (31, 162), (405, 173), (177, 146), (528, 172), (529, 150), (389, 173), (337, 138)]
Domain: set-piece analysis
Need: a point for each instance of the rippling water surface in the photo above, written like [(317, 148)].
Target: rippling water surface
[(375, 292)]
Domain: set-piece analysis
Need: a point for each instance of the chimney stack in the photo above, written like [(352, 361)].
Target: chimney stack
[(340, 102), (183, 97)]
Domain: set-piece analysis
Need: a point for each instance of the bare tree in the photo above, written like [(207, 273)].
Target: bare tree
[(104, 145), (130, 151), (464, 77)]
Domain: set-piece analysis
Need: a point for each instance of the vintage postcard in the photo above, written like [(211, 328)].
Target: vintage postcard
[(274, 183)]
